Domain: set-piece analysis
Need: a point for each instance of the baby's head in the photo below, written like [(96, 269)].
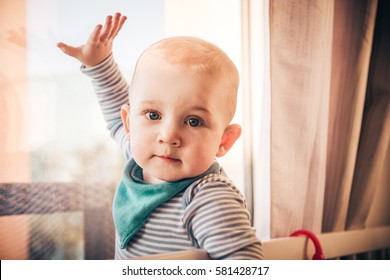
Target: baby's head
[(201, 57), (182, 99)]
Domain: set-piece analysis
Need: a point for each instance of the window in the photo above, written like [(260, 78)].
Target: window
[(51, 127)]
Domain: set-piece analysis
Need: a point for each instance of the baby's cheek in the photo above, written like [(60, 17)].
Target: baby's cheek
[(202, 159), (138, 148)]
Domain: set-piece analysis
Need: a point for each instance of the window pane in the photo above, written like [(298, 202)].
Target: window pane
[(51, 128)]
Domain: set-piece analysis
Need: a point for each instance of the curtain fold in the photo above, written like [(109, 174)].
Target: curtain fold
[(352, 44), (371, 169), (301, 45), (330, 113)]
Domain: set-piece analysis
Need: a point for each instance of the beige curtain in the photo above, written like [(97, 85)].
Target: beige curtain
[(371, 181), (330, 119)]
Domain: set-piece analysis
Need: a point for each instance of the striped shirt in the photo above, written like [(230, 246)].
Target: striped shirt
[(210, 214)]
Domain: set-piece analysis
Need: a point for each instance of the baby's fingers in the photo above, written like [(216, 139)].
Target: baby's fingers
[(95, 35), (106, 29), (118, 23)]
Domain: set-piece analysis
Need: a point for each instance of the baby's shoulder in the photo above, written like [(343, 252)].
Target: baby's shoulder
[(212, 185)]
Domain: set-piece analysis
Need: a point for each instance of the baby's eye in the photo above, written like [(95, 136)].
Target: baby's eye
[(194, 122), (153, 115)]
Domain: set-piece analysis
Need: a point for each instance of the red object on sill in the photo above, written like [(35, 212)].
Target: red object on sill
[(318, 255)]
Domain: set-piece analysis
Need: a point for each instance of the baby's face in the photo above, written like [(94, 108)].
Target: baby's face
[(176, 122)]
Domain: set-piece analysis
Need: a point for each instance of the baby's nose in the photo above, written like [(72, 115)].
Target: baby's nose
[(169, 134)]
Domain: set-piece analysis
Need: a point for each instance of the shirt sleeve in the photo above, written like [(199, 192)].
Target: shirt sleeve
[(217, 220), (111, 89)]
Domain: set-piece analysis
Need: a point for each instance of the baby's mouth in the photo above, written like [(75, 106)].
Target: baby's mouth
[(168, 159)]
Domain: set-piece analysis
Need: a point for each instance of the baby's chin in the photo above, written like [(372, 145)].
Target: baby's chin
[(171, 172)]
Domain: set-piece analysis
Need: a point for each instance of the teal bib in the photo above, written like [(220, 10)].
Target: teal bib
[(135, 199)]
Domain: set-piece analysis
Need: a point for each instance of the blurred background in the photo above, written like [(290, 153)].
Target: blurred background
[(52, 131), (314, 104)]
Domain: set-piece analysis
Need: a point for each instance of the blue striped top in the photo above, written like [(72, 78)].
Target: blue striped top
[(210, 214)]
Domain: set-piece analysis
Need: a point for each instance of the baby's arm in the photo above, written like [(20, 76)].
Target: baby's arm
[(98, 64), (111, 90), (217, 219)]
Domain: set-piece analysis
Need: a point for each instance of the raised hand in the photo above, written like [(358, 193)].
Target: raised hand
[(99, 44)]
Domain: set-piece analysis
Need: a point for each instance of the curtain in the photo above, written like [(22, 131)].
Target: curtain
[(371, 176), (330, 117)]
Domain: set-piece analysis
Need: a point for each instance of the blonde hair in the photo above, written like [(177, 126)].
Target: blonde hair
[(202, 57)]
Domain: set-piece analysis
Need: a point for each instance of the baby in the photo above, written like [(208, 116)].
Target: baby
[(171, 122)]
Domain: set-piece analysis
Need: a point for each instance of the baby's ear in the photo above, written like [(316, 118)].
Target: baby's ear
[(125, 115), (230, 135)]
